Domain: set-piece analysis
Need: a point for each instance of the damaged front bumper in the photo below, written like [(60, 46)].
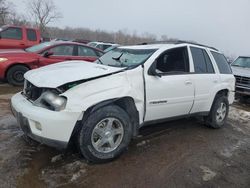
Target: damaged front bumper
[(43, 125)]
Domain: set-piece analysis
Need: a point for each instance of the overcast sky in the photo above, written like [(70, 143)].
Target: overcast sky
[(224, 24)]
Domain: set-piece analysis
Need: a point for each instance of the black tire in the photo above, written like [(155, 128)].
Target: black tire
[(211, 119), (15, 75), (85, 137)]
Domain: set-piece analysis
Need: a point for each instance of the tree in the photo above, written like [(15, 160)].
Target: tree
[(43, 12), (4, 11)]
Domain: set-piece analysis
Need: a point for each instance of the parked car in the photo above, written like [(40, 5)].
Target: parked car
[(18, 37), (101, 45), (241, 71), (111, 48), (103, 105), (14, 63)]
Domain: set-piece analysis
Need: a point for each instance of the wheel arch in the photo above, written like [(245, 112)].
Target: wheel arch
[(126, 103), (222, 92), (15, 64)]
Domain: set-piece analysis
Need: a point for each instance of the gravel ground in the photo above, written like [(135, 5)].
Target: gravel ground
[(181, 153)]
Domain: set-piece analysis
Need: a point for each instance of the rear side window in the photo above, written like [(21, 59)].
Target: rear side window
[(202, 62), (85, 51), (31, 35), (12, 33), (222, 63)]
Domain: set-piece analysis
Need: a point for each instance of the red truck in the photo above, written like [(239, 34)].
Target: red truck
[(15, 37)]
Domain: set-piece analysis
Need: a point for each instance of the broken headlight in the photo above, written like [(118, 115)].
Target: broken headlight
[(51, 101)]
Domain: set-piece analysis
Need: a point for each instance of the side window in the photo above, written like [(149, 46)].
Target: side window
[(85, 51), (31, 35), (12, 33), (173, 61), (63, 50), (210, 68), (202, 62), (222, 63), (99, 46)]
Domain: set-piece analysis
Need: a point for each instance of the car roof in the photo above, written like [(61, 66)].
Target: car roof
[(167, 45), (103, 43)]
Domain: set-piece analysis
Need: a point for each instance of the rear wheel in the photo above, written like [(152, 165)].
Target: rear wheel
[(105, 134), (15, 75), (218, 113)]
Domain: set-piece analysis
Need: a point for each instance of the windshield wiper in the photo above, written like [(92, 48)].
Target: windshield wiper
[(100, 61), (236, 65), (117, 58)]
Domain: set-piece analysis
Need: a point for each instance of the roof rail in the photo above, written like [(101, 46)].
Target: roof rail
[(178, 42)]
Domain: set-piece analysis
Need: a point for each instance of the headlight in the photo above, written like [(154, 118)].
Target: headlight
[(3, 59), (52, 101)]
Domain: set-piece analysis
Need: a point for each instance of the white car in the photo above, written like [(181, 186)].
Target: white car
[(101, 45), (241, 71), (104, 104)]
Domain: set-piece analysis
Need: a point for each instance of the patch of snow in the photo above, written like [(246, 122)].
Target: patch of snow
[(56, 158), (208, 173), (228, 152), (239, 115), (142, 143)]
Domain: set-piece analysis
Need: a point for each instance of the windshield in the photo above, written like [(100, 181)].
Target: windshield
[(122, 57), (39, 47), (242, 62), (2, 28)]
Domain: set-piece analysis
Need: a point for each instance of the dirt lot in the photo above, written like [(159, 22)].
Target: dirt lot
[(180, 153)]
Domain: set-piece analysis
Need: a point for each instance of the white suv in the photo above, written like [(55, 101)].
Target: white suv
[(104, 104)]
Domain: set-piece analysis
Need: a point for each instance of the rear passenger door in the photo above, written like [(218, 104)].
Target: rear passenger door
[(205, 79), (86, 54)]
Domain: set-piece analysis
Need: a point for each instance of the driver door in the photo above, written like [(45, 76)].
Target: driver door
[(171, 93), (64, 52)]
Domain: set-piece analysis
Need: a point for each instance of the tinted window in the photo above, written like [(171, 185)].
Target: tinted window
[(63, 50), (222, 63), (175, 60), (210, 68), (31, 35), (12, 33), (202, 62), (85, 51), (199, 60)]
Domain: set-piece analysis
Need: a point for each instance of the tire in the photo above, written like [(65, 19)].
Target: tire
[(218, 113), (15, 75), (101, 127)]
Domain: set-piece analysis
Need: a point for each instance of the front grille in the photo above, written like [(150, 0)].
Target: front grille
[(243, 81), (31, 91)]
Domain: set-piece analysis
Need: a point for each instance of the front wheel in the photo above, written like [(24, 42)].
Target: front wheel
[(218, 113), (15, 75), (105, 134)]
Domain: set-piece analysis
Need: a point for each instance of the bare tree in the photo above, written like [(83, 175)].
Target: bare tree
[(4, 11), (43, 12)]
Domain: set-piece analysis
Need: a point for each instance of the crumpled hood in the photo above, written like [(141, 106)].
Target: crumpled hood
[(55, 75), (239, 71)]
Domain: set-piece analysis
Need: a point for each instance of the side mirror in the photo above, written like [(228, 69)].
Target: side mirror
[(47, 54), (152, 70)]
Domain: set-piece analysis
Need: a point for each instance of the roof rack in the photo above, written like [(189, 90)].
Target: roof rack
[(177, 42)]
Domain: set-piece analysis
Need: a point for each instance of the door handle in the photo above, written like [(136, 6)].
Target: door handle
[(188, 82)]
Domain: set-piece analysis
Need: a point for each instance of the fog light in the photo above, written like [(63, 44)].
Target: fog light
[(38, 126)]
